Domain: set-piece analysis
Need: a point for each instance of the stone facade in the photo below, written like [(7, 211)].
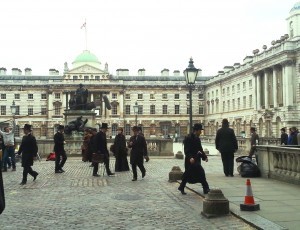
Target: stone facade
[(263, 91)]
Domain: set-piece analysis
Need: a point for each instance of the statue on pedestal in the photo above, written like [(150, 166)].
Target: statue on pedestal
[(76, 125), (80, 100)]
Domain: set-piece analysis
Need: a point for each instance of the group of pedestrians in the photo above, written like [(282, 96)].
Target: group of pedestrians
[(293, 138)]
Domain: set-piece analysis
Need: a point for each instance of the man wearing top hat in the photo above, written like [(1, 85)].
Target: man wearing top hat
[(194, 173), (100, 146), (60, 153), (29, 150)]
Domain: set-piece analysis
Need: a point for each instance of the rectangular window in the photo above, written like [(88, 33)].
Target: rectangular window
[(233, 104), (250, 101), (176, 96), (57, 95), (244, 102), (3, 110), (86, 78), (232, 89), (17, 110), (140, 111), (208, 96), (165, 109), (244, 85), (165, 96), (239, 103), (217, 93), (152, 109), (97, 78), (152, 96), (238, 87), (177, 109), (140, 96), (30, 96), (3, 96), (223, 106), (250, 83), (30, 110), (188, 96), (201, 110), (188, 110), (223, 92), (114, 96), (43, 111), (228, 91), (43, 96), (127, 109), (17, 96), (228, 105), (75, 77), (201, 96), (127, 96), (57, 110), (127, 129), (114, 109)]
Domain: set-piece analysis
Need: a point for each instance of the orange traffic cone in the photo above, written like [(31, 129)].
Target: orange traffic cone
[(249, 204)]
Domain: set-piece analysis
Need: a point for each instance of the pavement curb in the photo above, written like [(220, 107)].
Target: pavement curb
[(250, 218)]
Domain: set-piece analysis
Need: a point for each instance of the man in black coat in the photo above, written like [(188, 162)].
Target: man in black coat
[(226, 144), (59, 149), (100, 147), (29, 150), (194, 173), (138, 146)]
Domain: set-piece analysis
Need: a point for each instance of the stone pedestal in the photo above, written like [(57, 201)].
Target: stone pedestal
[(175, 174), (72, 115), (215, 204), (179, 155)]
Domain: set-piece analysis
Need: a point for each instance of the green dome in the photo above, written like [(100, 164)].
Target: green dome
[(86, 57)]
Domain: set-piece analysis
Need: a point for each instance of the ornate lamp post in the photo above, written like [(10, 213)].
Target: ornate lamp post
[(13, 108), (136, 110), (190, 74)]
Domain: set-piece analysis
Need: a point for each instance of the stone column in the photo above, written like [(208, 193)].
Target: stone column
[(254, 97), (50, 104), (275, 88), (92, 97), (266, 89), (258, 92), (121, 104), (288, 86)]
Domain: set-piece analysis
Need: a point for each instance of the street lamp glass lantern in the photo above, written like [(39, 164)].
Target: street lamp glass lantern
[(136, 108), (190, 73), (13, 108)]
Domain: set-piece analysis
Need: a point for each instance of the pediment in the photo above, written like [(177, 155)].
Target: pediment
[(86, 69)]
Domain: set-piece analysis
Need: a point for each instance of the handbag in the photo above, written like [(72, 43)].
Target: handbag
[(98, 158)]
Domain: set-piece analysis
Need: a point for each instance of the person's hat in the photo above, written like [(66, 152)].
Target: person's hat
[(135, 128), (197, 126), (27, 127), (104, 126), (60, 127)]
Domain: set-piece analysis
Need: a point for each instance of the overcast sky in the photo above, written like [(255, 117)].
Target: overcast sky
[(134, 34)]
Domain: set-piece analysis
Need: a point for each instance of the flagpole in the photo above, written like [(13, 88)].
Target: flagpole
[(85, 35)]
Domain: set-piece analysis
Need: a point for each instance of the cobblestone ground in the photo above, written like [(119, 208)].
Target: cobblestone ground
[(76, 200)]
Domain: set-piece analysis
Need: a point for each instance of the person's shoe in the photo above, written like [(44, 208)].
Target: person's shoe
[(206, 190), (62, 170), (14, 169), (231, 175), (23, 182), (134, 179), (181, 190), (143, 174), (110, 174), (58, 171), (35, 176), (226, 175), (96, 175)]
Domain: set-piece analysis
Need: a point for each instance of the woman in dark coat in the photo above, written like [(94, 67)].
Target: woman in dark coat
[(120, 152), (29, 150)]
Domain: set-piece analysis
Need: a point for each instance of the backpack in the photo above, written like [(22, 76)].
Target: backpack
[(51, 157)]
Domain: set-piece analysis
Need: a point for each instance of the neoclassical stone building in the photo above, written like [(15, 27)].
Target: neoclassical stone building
[(263, 91)]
